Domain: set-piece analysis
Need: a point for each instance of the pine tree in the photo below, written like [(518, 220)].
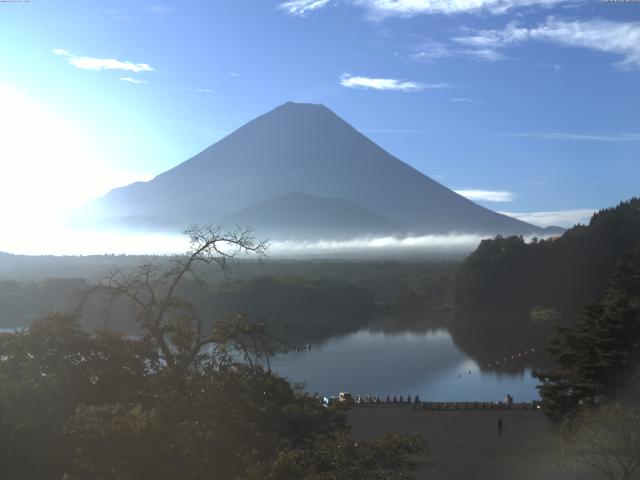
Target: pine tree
[(598, 359)]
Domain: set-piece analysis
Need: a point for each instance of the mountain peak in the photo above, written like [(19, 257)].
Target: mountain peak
[(307, 148), (297, 109), (302, 105)]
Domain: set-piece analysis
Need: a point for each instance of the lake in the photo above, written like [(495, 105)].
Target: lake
[(424, 363), (411, 362)]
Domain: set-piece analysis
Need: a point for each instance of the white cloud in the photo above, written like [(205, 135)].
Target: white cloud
[(379, 9), (351, 81), (300, 8), (561, 218), (589, 137), (91, 63), (618, 38), (133, 80), (487, 195), (410, 8), (464, 100)]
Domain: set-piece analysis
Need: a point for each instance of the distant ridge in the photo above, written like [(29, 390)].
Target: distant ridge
[(303, 148), (305, 217)]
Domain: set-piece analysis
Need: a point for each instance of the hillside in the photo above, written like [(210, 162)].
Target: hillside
[(301, 216), (561, 272)]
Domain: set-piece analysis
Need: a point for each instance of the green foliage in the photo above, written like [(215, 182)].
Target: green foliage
[(561, 272), (46, 372), (23, 302), (100, 406), (299, 308), (598, 359), (495, 266)]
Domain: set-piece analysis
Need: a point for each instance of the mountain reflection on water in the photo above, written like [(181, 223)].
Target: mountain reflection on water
[(413, 362)]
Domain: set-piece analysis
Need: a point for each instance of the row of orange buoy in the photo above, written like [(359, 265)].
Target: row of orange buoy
[(515, 356)]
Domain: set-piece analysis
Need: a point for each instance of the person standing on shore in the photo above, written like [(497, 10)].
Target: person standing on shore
[(499, 425)]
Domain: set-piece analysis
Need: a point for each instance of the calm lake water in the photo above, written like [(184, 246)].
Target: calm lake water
[(425, 363)]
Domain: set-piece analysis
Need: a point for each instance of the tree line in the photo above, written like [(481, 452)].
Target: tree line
[(562, 272)]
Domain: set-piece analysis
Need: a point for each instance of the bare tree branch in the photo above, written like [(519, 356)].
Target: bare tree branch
[(172, 323)]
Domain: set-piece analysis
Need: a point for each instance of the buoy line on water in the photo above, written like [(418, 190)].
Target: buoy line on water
[(515, 356)]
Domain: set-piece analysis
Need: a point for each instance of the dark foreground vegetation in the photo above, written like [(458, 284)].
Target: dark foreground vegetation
[(101, 406), (182, 399), (560, 273)]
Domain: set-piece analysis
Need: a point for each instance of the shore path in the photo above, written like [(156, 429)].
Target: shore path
[(465, 445)]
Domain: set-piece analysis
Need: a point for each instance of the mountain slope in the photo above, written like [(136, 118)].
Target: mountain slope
[(306, 148), (304, 217)]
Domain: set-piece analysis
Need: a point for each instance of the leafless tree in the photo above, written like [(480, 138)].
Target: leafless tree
[(172, 323)]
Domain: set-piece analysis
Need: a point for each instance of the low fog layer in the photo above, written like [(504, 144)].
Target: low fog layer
[(66, 241), (450, 244)]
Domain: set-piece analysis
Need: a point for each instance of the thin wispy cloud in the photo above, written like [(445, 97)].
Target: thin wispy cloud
[(198, 90), (486, 54), (617, 38), (487, 195), (588, 137), (464, 100), (391, 130), (560, 218), (92, 63), (352, 81), (430, 51), (380, 9), (410, 8), (116, 14), (133, 80), (300, 8), (160, 9)]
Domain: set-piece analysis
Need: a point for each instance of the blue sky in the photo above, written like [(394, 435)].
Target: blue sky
[(533, 103)]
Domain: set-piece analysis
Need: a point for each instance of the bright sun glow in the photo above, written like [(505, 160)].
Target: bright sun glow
[(47, 169)]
